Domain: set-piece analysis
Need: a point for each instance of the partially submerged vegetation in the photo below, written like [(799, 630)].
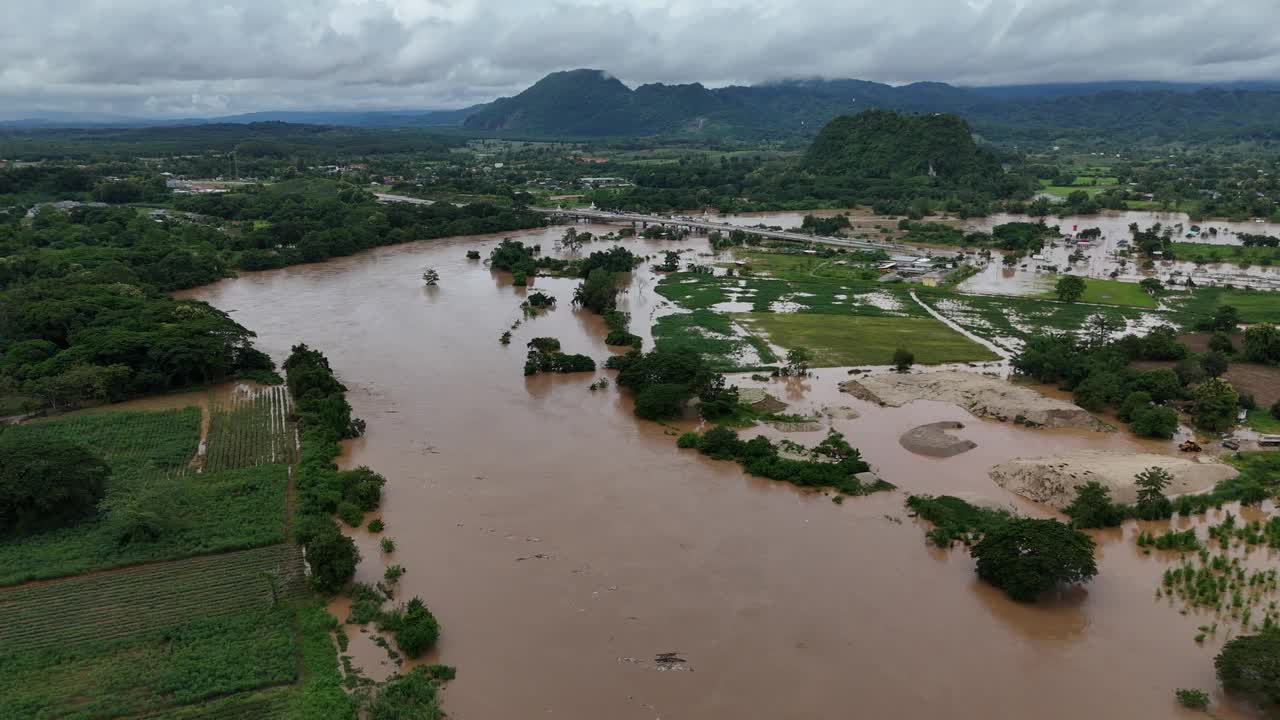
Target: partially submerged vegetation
[(832, 463)]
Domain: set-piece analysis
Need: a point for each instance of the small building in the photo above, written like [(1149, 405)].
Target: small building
[(887, 266)]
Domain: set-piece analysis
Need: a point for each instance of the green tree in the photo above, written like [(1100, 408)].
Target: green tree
[(47, 483), (1215, 405), (1214, 364), (1070, 288), (1133, 402), (1158, 421), (1262, 343), (1092, 507), (332, 556), (598, 292), (903, 360), (1151, 484), (798, 361), (1026, 557), (1220, 342), (1250, 666), (1152, 285), (1225, 319)]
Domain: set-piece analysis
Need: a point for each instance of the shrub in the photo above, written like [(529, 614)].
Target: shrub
[(350, 513), (1275, 410), (375, 525), (408, 696), (687, 441), (362, 487), (393, 572), (388, 545), (47, 483), (1026, 557), (903, 360), (1220, 342), (1194, 699)]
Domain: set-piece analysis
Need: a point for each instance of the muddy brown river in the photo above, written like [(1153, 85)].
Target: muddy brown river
[(564, 543)]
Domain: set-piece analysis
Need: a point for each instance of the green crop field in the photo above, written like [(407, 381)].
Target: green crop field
[(1255, 306), (254, 430), (135, 444), (1112, 292), (859, 340), (207, 513), (127, 602), (854, 267), (165, 666)]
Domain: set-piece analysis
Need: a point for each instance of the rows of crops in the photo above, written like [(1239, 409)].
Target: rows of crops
[(119, 604), (252, 430), (133, 443), (165, 667), (265, 705)]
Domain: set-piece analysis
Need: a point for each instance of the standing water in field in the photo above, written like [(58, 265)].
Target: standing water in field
[(568, 547)]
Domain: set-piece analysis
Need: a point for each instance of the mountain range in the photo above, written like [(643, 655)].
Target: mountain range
[(591, 103)]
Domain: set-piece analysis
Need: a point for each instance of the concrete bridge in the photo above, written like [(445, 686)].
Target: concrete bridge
[(700, 224), (695, 224)]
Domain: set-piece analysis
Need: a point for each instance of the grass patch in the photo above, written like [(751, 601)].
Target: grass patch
[(858, 340), (807, 268), (1261, 420), (1112, 292), (1255, 306)]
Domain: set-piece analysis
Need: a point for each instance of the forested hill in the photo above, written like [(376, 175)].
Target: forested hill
[(886, 144), (590, 103)]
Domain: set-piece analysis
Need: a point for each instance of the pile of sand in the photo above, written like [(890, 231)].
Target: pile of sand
[(933, 440), (1053, 480), (981, 395)]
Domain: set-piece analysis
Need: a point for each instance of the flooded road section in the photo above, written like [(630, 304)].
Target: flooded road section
[(565, 545)]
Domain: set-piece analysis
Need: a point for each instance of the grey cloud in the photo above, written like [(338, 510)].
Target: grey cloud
[(183, 57)]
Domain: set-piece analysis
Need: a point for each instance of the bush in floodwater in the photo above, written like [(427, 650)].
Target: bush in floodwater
[(954, 519), (350, 513), (393, 572), (413, 695), (473, 254), (375, 525), (366, 604), (362, 487), (1191, 698), (332, 556), (688, 441), (414, 627), (388, 545), (1028, 556)]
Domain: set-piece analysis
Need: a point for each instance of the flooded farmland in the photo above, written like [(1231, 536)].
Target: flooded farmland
[(566, 545)]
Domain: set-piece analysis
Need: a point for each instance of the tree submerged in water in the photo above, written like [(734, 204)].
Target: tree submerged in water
[(430, 277)]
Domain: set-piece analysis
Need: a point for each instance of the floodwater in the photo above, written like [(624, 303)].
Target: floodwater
[(564, 543), (1029, 277)]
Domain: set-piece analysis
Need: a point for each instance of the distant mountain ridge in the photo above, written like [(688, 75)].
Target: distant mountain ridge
[(591, 103)]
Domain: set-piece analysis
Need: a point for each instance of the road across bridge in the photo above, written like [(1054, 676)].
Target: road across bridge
[(711, 225), (606, 216)]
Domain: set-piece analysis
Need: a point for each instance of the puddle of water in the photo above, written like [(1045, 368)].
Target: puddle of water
[(556, 536)]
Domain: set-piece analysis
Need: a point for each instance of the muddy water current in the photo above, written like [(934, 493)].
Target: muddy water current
[(564, 544)]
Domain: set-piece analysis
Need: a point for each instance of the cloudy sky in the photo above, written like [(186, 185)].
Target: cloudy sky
[(209, 57)]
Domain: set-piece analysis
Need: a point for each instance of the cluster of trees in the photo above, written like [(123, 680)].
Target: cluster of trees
[(1092, 506), (324, 418), (47, 485), (665, 380), (309, 220), (619, 324), (1098, 374), (1024, 557), (545, 356), (833, 463)]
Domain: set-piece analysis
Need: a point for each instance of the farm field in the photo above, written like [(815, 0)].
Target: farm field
[(859, 340), (714, 336), (1111, 292), (856, 267), (253, 430), (1234, 254)]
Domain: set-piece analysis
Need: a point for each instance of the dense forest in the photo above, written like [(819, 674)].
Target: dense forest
[(83, 309)]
